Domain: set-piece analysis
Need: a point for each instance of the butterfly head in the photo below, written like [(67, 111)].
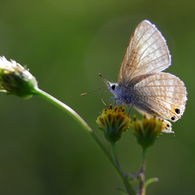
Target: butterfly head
[(113, 88)]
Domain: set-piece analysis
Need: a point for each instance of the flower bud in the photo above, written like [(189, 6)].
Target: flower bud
[(15, 79)]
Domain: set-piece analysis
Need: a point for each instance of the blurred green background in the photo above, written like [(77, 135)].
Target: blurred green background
[(66, 44)]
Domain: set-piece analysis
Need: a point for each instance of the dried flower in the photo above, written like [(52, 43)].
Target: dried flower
[(113, 122)]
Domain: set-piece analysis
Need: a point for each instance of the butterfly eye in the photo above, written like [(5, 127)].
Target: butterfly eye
[(113, 87), (177, 110)]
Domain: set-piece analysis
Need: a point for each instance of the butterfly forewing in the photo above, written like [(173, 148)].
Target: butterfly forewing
[(163, 94), (146, 52)]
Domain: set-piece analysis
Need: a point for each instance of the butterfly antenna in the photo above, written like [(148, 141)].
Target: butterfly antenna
[(105, 77), (83, 94), (102, 98)]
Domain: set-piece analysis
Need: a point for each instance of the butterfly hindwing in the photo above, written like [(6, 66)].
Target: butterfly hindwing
[(166, 125), (163, 93)]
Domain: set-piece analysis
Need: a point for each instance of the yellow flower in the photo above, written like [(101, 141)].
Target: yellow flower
[(15, 79), (113, 122), (147, 130)]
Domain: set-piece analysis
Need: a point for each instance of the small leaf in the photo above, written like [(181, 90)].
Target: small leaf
[(121, 191), (151, 180)]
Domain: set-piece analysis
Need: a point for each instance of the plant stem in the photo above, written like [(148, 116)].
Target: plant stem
[(114, 156), (115, 160), (142, 173), (86, 127), (143, 168)]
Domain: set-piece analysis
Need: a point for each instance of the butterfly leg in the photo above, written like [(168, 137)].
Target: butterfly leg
[(115, 100), (130, 108)]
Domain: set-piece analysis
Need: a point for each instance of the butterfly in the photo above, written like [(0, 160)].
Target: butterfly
[(141, 82)]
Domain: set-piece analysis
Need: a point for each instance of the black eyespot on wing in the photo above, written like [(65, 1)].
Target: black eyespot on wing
[(168, 125), (177, 110), (173, 118), (113, 87)]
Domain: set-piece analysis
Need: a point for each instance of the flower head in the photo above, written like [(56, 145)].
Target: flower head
[(15, 79), (147, 130), (113, 122)]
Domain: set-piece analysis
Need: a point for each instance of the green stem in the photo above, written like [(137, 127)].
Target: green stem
[(143, 168), (142, 173), (115, 160), (86, 127), (114, 156)]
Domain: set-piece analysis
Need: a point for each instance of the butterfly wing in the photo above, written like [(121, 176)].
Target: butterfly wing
[(166, 125), (162, 94), (146, 53)]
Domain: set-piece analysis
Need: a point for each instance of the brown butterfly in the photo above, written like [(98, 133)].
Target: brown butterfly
[(141, 82)]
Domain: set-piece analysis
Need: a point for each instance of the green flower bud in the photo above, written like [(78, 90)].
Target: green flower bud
[(15, 79)]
